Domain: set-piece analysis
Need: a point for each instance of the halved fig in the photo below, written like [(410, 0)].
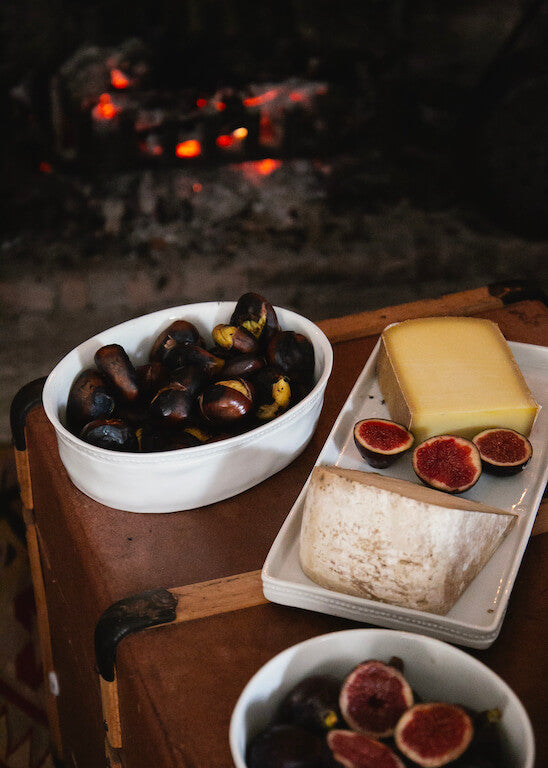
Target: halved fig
[(447, 463), (355, 750), (381, 442), (373, 698), (434, 734), (503, 451)]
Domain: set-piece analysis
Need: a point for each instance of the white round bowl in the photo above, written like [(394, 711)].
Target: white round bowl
[(169, 481), (436, 670)]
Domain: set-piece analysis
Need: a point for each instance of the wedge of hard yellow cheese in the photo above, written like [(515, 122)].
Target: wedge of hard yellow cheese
[(452, 375), (391, 540)]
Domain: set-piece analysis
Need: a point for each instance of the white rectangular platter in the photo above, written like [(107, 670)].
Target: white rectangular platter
[(475, 620)]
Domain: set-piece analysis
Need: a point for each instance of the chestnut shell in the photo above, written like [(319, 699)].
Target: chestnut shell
[(447, 463), (226, 402), (114, 364), (112, 434), (179, 333), (503, 451), (89, 399)]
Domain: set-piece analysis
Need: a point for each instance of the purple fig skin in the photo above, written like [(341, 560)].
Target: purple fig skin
[(503, 451), (386, 442)]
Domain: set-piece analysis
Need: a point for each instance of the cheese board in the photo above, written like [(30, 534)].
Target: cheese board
[(476, 619)]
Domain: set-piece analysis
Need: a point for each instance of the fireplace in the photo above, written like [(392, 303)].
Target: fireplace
[(336, 157)]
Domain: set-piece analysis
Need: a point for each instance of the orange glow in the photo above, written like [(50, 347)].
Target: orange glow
[(45, 167), (267, 166), (118, 79), (189, 148), (196, 187), (200, 103), (224, 140), (263, 98), (157, 150), (296, 96), (220, 105), (240, 133), (105, 109), (266, 130)]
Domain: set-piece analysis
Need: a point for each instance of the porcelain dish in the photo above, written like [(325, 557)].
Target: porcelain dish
[(436, 670), (476, 619), (169, 481)]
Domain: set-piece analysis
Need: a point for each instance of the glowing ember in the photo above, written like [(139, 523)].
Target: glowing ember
[(196, 187), (267, 166), (266, 130), (189, 148), (45, 167), (240, 133), (224, 141), (262, 98), (201, 103), (220, 106), (296, 96), (105, 109), (118, 79)]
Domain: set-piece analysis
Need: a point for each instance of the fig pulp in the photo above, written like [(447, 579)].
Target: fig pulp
[(286, 746), (373, 698), (380, 441), (313, 704), (447, 463), (435, 734), (355, 750), (503, 451)]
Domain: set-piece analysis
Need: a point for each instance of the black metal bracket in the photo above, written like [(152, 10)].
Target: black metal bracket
[(512, 291), (132, 614), (28, 397)]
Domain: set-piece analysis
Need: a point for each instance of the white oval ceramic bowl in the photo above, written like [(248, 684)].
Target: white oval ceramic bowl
[(436, 670), (169, 481)]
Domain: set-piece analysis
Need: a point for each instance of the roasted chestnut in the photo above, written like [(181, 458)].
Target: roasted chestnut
[(173, 403), (256, 315), (272, 393), (190, 377), (226, 401), (179, 333), (113, 434), (293, 354), (190, 354), (234, 338), (242, 366), (88, 399), (114, 364), (151, 378)]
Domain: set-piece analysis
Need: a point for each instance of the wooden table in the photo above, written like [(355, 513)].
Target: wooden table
[(175, 685)]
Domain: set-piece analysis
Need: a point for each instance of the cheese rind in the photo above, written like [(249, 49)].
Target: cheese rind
[(452, 375), (394, 541)]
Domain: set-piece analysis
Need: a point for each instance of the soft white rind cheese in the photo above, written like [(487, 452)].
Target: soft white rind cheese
[(394, 541), (452, 375)]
